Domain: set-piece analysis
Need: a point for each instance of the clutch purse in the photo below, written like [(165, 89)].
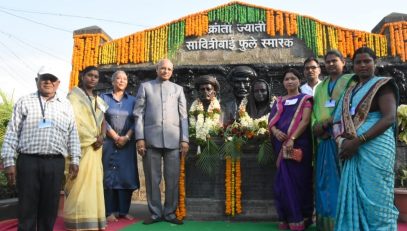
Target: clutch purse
[(296, 154)]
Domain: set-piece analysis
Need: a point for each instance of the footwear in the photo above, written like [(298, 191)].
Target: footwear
[(175, 221), (151, 221)]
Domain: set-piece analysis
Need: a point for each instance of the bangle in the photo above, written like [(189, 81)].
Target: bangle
[(127, 136), (292, 138), (362, 138)]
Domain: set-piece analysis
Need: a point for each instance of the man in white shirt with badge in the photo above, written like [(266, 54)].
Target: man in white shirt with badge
[(40, 134)]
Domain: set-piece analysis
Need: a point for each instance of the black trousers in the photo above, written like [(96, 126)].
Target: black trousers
[(39, 180)]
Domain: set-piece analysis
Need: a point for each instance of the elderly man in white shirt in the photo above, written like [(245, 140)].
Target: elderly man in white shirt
[(42, 131), (312, 70)]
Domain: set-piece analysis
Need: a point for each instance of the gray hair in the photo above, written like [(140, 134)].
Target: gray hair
[(161, 62), (116, 73)]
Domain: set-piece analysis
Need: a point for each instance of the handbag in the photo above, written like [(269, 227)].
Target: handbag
[(295, 154)]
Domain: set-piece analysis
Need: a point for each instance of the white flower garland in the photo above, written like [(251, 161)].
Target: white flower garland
[(258, 126), (204, 126)]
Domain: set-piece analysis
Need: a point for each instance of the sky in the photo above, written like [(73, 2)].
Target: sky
[(40, 33)]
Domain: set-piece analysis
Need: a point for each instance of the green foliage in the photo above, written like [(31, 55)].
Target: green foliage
[(5, 190), (209, 160), (402, 122), (401, 175), (266, 153), (233, 148), (6, 108)]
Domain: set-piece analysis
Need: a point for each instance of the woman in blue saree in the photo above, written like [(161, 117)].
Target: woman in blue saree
[(289, 126), (364, 129)]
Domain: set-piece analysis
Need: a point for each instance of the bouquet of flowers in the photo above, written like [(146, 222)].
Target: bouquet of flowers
[(245, 129), (203, 126)]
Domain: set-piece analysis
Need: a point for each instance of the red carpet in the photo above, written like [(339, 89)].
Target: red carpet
[(11, 225)]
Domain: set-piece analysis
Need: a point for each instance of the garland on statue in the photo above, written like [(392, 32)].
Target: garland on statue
[(203, 127), (235, 136), (203, 124)]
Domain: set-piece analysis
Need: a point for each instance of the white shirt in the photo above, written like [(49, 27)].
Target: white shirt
[(307, 89)]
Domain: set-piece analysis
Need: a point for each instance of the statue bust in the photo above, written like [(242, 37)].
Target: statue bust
[(207, 87), (259, 99), (240, 79), (205, 112)]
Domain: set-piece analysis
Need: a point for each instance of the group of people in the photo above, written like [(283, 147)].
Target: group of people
[(350, 121), (95, 138), (322, 134)]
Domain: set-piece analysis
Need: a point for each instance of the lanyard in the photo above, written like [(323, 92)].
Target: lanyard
[(42, 107), (91, 108), (331, 89)]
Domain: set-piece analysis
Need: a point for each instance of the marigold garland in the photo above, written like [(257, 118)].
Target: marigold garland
[(163, 41), (233, 185), (236, 136), (85, 53), (181, 211), (398, 38)]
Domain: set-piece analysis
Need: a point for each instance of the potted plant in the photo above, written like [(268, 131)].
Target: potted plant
[(400, 193)]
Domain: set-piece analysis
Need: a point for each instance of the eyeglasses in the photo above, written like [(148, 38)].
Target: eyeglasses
[(46, 78), (311, 68)]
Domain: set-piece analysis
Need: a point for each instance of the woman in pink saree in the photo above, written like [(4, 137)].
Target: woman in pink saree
[(291, 138)]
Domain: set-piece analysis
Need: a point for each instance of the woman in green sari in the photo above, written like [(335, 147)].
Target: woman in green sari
[(327, 173)]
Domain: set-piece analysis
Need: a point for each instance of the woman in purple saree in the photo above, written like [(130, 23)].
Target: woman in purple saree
[(289, 128)]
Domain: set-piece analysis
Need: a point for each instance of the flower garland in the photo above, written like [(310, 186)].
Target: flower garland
[(202, 124), (233, 176), (233, 185), (85, 53), (181, 211), (163, 41), (398, 38), (236, 134)]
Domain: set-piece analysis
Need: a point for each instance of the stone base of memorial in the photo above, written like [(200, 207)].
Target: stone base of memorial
[(205, 195)]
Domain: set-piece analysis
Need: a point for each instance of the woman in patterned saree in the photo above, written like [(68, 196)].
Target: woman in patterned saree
[(84, 207), (289, 126), (364, 128)]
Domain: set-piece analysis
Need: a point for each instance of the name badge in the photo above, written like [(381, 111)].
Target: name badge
[(291, 101), (330, 103), (45, 123), (102, 107), (352, 111)]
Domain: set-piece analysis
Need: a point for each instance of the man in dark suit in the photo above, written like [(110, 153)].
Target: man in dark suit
[(161, 132)]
